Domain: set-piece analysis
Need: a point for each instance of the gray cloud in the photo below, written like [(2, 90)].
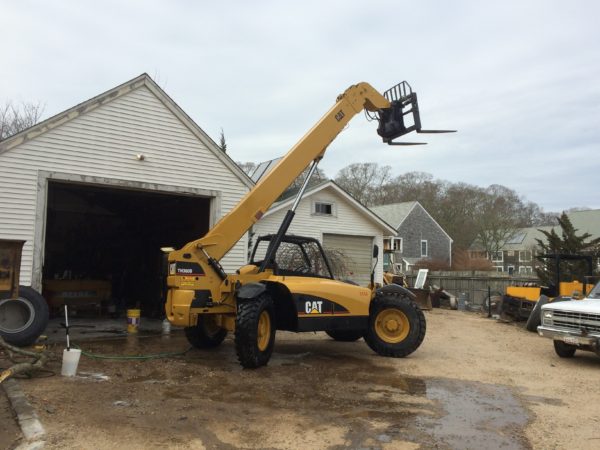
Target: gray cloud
[(518, 79)]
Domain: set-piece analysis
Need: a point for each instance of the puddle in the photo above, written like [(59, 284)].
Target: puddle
[(475, 416), (324, 384)]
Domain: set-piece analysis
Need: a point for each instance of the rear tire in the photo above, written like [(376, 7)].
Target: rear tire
[(23, 319), (564, 350), (396, 325), (345, 335), (206, 334), (255, 331)]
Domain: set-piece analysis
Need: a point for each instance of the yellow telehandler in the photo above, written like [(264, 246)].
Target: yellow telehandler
[(288, 284)]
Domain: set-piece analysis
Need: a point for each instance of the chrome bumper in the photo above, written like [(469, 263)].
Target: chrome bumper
[(569, 337)]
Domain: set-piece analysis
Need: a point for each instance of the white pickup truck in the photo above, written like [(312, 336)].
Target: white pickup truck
[(573, 325)]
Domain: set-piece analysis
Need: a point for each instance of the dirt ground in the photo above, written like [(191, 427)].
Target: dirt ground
[(474, 383)]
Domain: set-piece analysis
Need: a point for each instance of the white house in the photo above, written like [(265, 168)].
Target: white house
[(338, 221), (96, 190)]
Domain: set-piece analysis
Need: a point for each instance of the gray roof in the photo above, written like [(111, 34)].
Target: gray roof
[(263, 168), (587, 221), (394, 213), (525, 238)]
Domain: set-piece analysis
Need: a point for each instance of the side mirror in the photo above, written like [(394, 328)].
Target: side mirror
[(375, 251)]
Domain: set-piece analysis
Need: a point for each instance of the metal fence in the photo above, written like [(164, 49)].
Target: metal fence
[(472, 285)]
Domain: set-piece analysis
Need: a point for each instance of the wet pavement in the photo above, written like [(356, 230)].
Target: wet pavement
[(337, 395)]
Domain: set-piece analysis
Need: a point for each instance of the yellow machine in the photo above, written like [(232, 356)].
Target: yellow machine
[(525, 302), (288, 284)]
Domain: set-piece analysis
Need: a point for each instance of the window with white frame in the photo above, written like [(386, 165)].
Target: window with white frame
[(499, 268), (323, 208), (424, 249), (397, 244), (525, 269), (497, 256), (524, 255)]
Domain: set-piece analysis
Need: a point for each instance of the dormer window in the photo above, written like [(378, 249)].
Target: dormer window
[(323, 208)]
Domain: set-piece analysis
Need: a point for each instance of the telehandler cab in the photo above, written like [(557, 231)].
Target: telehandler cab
[(285, 287)]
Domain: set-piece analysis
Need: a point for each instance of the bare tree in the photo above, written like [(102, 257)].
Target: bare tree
[(16, 118), (366, 182), (247, 167)]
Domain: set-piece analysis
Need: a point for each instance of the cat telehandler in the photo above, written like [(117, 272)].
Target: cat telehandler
[(288, 284)]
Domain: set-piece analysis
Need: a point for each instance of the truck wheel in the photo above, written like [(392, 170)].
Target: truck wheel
[(23, 319), (255, 331), (564, 350), (535, 318), (396, 325), (206, 333), (345, 335)]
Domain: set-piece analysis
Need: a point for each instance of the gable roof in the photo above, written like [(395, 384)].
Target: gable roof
[(112, 94), (394, 213), (333, 185)]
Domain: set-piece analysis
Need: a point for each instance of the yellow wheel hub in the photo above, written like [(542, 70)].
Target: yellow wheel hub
[(264, 331), (392, 325)]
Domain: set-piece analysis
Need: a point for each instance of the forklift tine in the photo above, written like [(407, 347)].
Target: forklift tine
[(435, 131), (407, 143)]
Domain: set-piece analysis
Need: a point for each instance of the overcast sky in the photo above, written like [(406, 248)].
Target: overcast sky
[(520, 80)]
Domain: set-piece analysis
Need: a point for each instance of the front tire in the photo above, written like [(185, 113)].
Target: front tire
[(396, 325), (564, 350), (345, 335), (255, 331), (23, 319), (206, 333)]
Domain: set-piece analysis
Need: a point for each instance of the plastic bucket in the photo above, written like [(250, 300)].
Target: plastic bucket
[(133, 320), (70, 362)]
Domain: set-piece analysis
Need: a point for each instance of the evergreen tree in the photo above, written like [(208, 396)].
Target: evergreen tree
[(222, 143), (567, 243)]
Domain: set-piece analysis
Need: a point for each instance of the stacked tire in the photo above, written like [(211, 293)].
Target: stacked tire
[(23, 319)]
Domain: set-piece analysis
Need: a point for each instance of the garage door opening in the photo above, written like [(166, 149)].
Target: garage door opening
[(357, 251), (102, 245)]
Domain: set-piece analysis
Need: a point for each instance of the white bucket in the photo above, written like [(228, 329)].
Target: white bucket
[(70, 362)]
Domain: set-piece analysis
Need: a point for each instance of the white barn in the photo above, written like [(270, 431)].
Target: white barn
[(95, 191), (331, 215)]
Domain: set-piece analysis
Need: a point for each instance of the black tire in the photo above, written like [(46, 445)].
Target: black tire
[(564, 350), (23, 319), (205, 334), (409, 336), (535, 317), (254, 348), (345, 335)]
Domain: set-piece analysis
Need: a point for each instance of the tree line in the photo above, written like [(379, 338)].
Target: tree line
[(468, 213)]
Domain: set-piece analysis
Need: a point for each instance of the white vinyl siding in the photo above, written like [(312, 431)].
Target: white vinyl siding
[(349, 220), (103, 143)]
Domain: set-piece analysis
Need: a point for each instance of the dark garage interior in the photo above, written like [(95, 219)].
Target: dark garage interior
[(103, 246)]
